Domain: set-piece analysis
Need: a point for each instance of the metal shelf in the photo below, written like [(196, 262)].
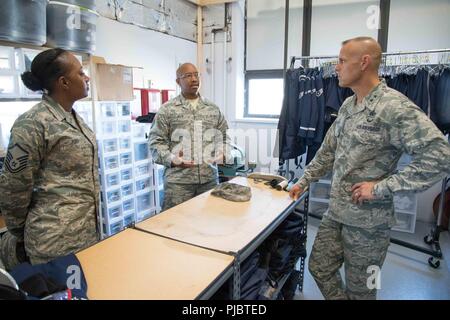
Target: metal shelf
[(244, 253)]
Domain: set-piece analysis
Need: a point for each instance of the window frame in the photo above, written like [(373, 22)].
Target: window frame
[(259, 74)]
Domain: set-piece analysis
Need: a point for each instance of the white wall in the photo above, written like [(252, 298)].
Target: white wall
[(265, 27), (159, 54), (333, 23), (419, 25), (234, 104), (425, 203)]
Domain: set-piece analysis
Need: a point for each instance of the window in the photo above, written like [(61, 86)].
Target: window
[(264, 94), (265, 97)]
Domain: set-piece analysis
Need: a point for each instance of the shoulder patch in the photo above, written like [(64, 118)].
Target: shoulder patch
[(16, 159)]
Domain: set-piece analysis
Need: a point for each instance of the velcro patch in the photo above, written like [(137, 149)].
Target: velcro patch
[(17, 159), (368, 128)]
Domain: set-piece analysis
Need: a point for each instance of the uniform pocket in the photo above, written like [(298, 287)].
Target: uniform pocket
[(369, 136)]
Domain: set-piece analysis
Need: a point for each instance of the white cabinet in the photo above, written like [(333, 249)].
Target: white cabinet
[(405, 204)]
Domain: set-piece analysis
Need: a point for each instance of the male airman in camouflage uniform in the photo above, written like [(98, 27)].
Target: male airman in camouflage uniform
[(49, 185), (188, 137), (373, 129)]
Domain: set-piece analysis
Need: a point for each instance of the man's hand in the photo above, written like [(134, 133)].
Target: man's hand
[(363, 191), (295, 192), (219, 159), (180, 162)]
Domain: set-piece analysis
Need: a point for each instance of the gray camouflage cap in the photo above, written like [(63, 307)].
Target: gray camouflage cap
[(232, 191)]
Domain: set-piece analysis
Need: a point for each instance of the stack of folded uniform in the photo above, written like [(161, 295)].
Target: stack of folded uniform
[(252, 278), (280, 253)]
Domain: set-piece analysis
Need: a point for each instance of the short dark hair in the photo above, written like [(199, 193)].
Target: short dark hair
[(357, 39), (376, 55), (179, 74), (46, 68)]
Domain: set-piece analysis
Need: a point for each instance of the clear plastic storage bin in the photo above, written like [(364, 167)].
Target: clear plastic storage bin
[(8, 86), (110, 145), (125, 143), (126, 174), (404, 222), (111, 162), (114, 212), (127, 190), (142, 184), (139, 130), (6, 59), (128, 205), (124, 109), (160, 175), (113, 196), (143, 169), (140, 151), (161, 197), (405, 202), (113, 228), (144, 201), (129, 219), (124, 126), (145, 215), (126, 159), (108, 128), (112, 179), (107, 110)]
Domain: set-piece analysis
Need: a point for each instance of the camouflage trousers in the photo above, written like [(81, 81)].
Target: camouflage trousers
[(362, 251), (176, 193)]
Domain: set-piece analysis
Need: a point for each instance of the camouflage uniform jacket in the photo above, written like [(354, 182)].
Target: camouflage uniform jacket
[(49, 184), (177, 116), (365, 143)]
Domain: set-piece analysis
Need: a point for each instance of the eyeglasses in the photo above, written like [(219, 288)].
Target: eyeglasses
[(190, 75)]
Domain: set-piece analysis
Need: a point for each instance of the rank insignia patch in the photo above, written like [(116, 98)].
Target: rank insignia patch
[(17, 159)]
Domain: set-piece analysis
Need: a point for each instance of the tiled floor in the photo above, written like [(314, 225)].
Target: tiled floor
[(406, 274)]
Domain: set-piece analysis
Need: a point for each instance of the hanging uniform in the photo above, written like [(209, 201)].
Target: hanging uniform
[(440, 100), (289, 143), (311, 103)]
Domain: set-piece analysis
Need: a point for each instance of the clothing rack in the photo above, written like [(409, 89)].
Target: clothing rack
[(384, 54), (431, 239)]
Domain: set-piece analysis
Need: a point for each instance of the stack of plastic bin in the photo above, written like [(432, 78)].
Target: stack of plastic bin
[(159, 169), (145, 177), (129, 183), (126, 162), (116, 165)]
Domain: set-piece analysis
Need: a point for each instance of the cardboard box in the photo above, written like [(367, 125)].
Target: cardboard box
[(114, 82), (97, 60)]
